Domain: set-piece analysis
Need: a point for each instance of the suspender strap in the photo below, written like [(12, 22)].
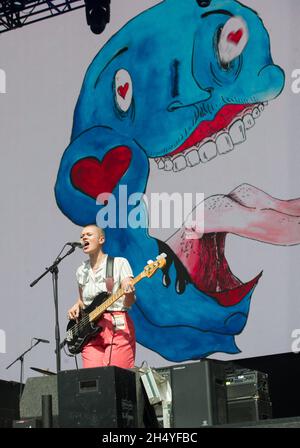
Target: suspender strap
[(109, 280)]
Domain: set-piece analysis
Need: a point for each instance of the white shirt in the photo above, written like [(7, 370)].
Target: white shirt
[(92, 283)]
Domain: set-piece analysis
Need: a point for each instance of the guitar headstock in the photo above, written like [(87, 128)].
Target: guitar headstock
[(153, 266)]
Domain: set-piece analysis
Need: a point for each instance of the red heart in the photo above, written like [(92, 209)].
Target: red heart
[(122, 90), (93, 177), (235, 37)]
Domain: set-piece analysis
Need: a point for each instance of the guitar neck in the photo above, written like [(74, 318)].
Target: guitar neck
[(96, 313)]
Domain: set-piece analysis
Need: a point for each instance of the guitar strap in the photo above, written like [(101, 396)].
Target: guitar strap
[(109, 280)]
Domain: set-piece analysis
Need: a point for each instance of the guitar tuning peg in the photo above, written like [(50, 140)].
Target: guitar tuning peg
[(149, 261), (162, 255)]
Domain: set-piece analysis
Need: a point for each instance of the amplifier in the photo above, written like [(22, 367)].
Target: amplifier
[(245, 383), (248, 410)]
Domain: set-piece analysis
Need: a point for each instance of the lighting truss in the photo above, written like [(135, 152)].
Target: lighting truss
[(12, 17)]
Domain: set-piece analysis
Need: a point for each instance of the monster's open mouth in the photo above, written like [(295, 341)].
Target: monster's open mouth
[(207, 268), (212, 138), (203, 257)]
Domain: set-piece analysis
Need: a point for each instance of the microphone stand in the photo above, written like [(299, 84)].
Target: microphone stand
[(54, 271), (21, 359)]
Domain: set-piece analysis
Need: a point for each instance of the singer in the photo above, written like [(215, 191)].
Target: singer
[(115, 344)]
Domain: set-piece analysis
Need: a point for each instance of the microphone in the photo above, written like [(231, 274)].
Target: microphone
[(75, 244), (42, 340)]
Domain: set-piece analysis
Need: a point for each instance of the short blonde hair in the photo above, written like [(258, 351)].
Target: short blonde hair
[(100, 230)]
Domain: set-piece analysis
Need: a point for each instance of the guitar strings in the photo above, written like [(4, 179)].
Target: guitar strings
[(85, 320)]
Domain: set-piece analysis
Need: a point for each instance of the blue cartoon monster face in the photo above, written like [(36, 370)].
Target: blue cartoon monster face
[(180, 83), (161, 87)]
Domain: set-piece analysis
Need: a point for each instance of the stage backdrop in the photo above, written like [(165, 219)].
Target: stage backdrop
[(173, 104)]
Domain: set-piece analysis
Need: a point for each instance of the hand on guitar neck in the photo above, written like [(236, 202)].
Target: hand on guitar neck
[(129, 289)]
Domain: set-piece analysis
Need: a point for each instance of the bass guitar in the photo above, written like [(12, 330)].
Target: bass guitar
[(79, 333)]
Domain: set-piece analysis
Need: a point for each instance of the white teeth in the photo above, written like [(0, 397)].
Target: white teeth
[(224, 143), (207, 151), (261, 107), (237, 132), (192, 158), (179, 163), (160, 163), (248, 121), (255, 113), (168, 165)]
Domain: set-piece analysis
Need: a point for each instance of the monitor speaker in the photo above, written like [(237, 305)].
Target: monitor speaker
[(101, 397), (199, 396)]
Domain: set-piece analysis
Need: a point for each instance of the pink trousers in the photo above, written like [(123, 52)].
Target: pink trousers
[(114, 345)]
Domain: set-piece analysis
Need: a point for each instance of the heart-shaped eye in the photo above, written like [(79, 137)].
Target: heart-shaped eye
[(233, 39), (123, 90)]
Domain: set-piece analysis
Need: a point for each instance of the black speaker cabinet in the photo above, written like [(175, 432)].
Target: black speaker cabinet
[(249, 410), (9, 403), (101, 397), (199, 396), (31, 400)]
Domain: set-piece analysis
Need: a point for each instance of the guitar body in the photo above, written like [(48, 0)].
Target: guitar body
[(79, 333)]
